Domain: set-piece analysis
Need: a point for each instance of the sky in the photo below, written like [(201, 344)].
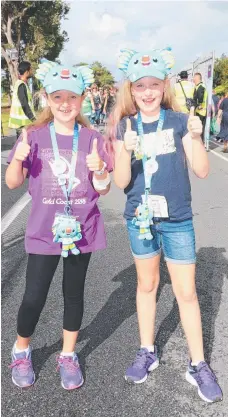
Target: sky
[(97, 30)]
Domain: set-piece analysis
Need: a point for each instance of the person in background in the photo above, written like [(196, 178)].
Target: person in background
[(97, 103), (110, 101), (222, 119), (215, 99), (200, 99), (22, 110), (88, 108), (183, 90)]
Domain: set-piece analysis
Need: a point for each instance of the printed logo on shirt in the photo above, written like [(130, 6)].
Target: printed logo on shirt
[(65, 172), (159, 143), (51, 190), (64, 202)]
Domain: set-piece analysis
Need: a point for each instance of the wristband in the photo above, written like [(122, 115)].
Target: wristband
[(101, 172), (101, 185)]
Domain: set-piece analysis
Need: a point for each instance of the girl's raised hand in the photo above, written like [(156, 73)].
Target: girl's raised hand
[(23, 148), (130, 137), (195, 126)]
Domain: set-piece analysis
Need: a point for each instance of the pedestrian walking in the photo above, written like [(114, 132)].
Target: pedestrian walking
[(67, 169), (200, 99), (153, 143), (22, 110), (183, 91), (222, 119)]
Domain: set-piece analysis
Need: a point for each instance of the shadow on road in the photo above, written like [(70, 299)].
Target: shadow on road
[(212, 267)]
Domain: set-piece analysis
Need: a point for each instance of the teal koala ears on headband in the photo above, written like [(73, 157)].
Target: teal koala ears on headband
[(58, 77), (156, 63)]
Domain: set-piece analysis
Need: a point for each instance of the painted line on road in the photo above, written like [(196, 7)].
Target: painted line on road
[(17, 239), (220, 156), (14, 211), (216, 143)]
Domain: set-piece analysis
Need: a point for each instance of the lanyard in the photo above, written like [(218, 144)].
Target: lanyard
[(58, 162), (149, 169)]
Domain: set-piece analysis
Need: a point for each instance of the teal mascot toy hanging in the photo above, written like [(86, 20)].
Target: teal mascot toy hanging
[(67, 231), (144, 220)]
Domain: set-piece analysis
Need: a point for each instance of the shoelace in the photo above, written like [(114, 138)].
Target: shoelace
[(205, 375), (22, 364), (69, 364), (142, 357)]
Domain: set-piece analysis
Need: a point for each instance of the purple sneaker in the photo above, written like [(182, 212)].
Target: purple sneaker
[(203, 377), (70, 372), (22, 371), (144, 362)]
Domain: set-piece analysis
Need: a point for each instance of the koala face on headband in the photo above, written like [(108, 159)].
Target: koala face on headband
[(156, 63), (58, 77)]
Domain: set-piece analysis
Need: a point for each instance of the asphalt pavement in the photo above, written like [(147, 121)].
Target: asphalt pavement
[(109, 336)]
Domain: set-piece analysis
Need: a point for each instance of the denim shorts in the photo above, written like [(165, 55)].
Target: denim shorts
[(176, 239)]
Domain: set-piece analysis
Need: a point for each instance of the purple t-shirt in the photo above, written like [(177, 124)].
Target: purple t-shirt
[(48, 197)]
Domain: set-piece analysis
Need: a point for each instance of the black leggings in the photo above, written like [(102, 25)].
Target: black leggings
[(40, 271)]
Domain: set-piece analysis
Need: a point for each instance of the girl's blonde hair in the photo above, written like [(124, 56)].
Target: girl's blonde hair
[(126, 106), (46, 116)]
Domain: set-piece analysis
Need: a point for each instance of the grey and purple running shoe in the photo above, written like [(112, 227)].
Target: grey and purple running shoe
[(22, 370), (203, 377), (70, 372), (144, 363)]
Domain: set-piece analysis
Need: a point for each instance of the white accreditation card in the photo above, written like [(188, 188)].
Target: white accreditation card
[(157, 205)]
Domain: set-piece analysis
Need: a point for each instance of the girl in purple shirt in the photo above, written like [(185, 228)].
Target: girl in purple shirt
[(67, 169)]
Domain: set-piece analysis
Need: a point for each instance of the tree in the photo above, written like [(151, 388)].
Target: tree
[(33, 29), (102, 75), (220, 81), (81, 64)]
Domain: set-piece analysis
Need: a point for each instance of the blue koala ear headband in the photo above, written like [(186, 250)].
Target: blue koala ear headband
[(156, 63), (58, 77)]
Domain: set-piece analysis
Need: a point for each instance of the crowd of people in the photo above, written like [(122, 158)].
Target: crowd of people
[(98, 103), (195, 94), (146, 144)]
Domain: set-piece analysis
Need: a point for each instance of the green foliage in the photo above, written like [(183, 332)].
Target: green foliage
[(81, 64), (35, 28), (220, 82), (102, 75), (5, 120)]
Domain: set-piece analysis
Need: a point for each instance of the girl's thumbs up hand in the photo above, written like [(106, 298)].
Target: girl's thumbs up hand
[(93, 160), (195, 126), (130, 137), (23, 148)]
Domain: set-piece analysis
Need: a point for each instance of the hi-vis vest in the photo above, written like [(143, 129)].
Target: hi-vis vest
[(203, 110), (188, 89), (17, 116)]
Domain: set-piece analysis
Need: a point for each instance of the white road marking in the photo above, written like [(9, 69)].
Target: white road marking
[(219, 144), (17, 239), (220, 156), (15, 211)]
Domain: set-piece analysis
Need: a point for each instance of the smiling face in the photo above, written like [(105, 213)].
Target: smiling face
[(148, 93), (65, 105)]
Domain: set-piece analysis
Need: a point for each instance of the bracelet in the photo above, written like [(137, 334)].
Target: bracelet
[(101, 185), (101, 172)]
